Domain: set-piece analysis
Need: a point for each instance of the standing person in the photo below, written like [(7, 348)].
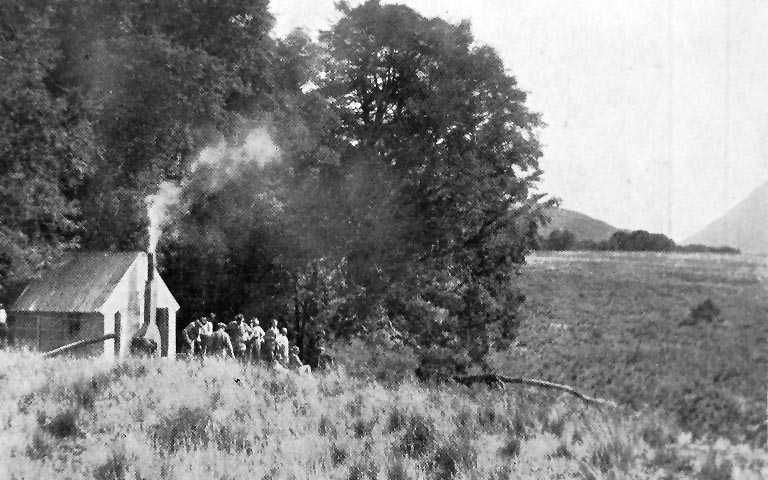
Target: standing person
[(238, 333), (206, 331), (257, 340), (270, 342), (3, 326), (282, 347), (191, 335), (232, 328), (221, 344)]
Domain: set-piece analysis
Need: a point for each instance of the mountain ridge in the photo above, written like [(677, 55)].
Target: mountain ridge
[(744, 226), (582, 226)]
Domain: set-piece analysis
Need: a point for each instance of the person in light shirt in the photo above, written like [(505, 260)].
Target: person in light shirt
[(206, 332), (270, 342), (282, 347), (257, 340)]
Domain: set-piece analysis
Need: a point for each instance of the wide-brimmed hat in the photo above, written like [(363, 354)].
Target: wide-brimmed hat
[(221, 325), (295, 348), (283, 330)]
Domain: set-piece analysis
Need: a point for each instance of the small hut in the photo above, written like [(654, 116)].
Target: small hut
[(90, 295)]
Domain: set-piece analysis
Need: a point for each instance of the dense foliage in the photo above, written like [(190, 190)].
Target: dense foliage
[(400, 200), (625, 241)]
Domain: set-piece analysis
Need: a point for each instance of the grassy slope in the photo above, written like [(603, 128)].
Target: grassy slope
[(151, 420), (611, 323)]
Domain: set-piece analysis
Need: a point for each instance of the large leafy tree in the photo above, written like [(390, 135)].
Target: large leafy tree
[(401, 201), (442, 155), (46, 146)]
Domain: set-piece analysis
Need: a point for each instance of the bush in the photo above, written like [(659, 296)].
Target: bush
[(458, 454), (420, 436), (706, 312), (63, 425), (668, 459), (560, 240), (114, 468), (612, 455), (186, 426), (711, 470)]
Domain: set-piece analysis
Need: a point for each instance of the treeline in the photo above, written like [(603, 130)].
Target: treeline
[(400, 201), (625, 241)]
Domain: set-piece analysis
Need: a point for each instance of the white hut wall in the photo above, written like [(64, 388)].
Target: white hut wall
[(125, 309), (166, 319)]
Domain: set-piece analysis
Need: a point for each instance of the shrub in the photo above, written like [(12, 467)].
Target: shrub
[(325, 427), (668, 459), (86, 390), (398, 418), (338, 455), (561, 452), (452, 456), (362, 428), (362, 471), (114, 468), (555, 427), (512, 447), (655, 435), (711, 470), (63, 425), (40, 447), (185, 426), (420, 436), (705, 312), (616, 454), (397, 471), (233, 438)]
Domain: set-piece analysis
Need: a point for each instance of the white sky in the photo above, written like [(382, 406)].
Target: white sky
[(656, 111)]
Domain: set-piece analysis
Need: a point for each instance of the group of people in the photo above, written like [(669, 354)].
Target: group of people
[(244, 340)]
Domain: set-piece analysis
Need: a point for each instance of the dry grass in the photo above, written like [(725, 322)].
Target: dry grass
[(67, 418)]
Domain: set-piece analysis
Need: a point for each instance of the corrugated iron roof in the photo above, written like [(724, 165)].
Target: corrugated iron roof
[(81, 282)]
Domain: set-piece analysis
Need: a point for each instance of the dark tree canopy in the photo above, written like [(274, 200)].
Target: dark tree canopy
[(401, 201), (449, 148)]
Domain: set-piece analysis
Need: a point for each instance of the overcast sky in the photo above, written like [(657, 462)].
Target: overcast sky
[(656, 111)]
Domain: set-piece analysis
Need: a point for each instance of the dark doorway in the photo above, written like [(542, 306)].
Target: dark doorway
[(162, 318)]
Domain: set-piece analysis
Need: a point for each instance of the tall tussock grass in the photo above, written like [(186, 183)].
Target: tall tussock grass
[(154, 419)]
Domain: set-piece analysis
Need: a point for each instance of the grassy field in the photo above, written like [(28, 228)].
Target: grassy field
[(614, 324), (693, 397), (65, 418)]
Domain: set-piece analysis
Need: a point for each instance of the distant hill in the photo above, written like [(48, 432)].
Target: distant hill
[(745, 226), (582, 226)]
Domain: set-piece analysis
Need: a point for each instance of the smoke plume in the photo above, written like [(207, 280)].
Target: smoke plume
[(213, 167), (158, 206)]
